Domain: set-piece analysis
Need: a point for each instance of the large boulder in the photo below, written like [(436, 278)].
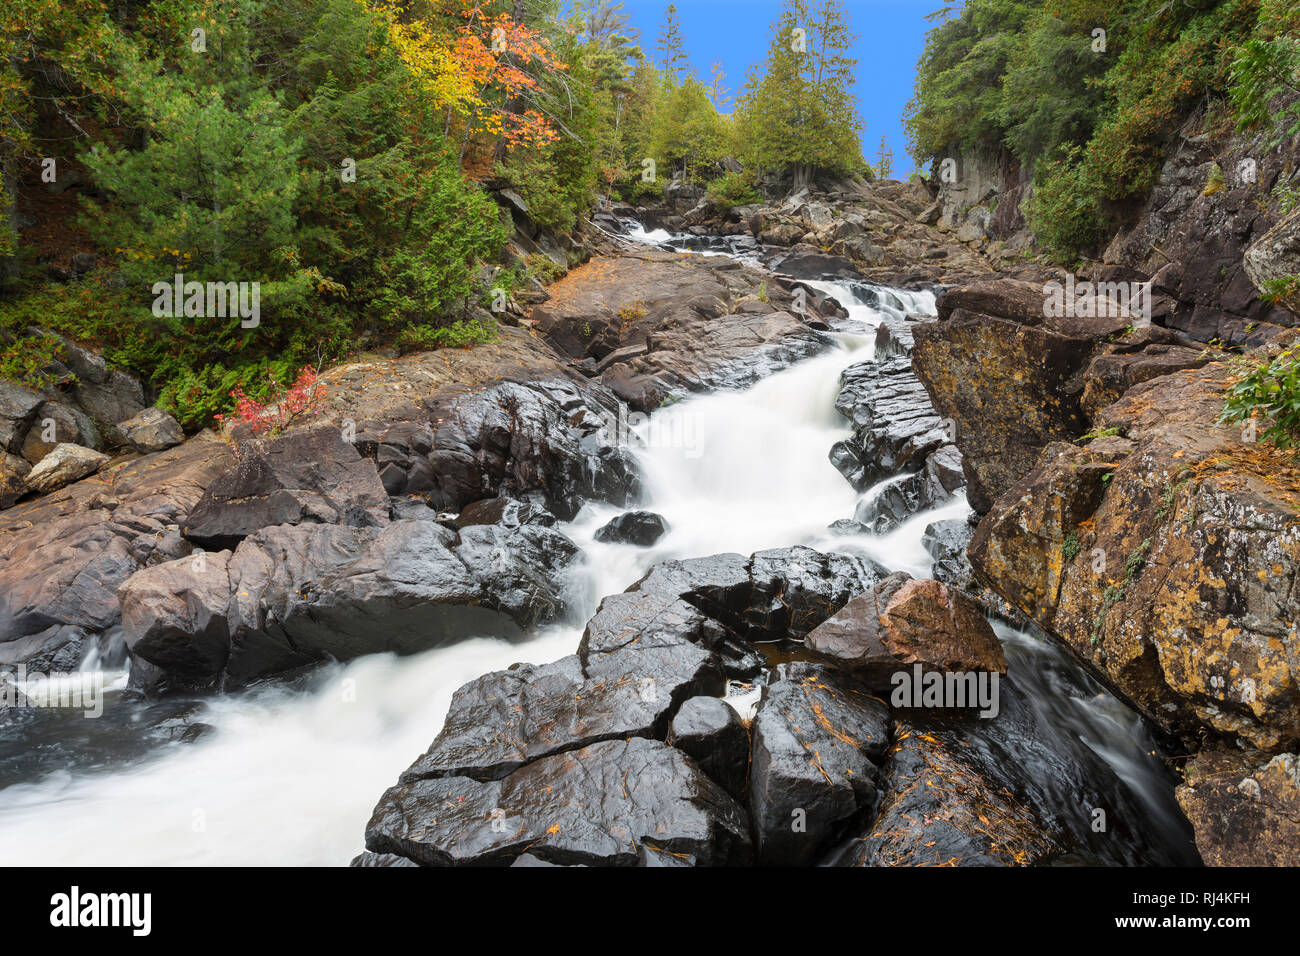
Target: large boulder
[(54, 424), (152, 430), (305, 476), (18, 407), (711, 731), (1168, 557), (65, 464), (818, 739), (614, 803), (1008, 388), (559, 439), (720, 604), (1014, 380), (116, 397), (506, 719), (901, 622), (896, 427), (1242, 815), (13, 475), (641, 528), (294, 595), (63, 556), (668, 323)]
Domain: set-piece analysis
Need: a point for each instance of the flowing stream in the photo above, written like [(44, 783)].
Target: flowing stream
[(288, 774)]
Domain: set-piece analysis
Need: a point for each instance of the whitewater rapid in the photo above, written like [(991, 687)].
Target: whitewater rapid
[(288, 775)]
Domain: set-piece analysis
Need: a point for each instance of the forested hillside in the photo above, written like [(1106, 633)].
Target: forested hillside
[(1089, 95), (343, 154)]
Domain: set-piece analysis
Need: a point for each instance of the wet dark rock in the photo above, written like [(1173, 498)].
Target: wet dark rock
[(710, 731), (807, 262), (553, 437), (294, 595), (504, 720), (507, 512), (641, 528), (895, 426), (614, 803), (368, 859), (789, 592), (945, 541), (521, 571), (528, 860), (818, 738), (305, 476), (36, 741), (904, 497)]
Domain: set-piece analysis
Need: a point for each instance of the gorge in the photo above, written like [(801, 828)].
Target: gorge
[(599, 477)]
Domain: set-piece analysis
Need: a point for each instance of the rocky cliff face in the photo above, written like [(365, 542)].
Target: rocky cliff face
[(1168, 555), (1011, 379), (1214, 199), (1162, 549), (980, 193), (1191, 234)]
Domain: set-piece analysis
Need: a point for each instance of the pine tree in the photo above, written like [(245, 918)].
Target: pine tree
[(884, 159), (670, 46), (213, 188), (797, 113)]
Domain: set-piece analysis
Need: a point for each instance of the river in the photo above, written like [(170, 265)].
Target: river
[(289, 774)]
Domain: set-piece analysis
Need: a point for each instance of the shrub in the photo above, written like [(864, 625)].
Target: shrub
[(1269, 391), (1070, 546), (1063, 211), (28, 359), (282, 407), (733, 189), (461, 334), (195, 397)]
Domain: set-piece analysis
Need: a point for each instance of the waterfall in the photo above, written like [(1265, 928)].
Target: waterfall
[(289, 773)]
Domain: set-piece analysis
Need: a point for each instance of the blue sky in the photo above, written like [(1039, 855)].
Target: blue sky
[(736, 33)]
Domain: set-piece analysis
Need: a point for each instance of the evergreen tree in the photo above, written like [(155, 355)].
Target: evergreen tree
[(214, 185), (670, 46), (797, 113), (884, 159)]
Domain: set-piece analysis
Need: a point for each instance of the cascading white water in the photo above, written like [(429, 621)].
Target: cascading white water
[(290, 775)]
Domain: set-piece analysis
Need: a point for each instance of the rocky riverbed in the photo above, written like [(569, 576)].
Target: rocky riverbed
[(719, 500)]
